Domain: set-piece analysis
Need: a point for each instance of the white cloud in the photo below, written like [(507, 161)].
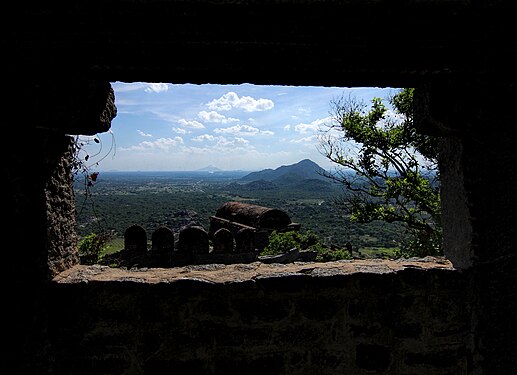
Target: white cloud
[(238, 130), (306, 128), (144, 134), (287, 128), (204, 137), (156, 87), (246, 130), (223, 145), (247, 103), (191, 150), (180, 130), (163, 144), (231, 145), (213, 116), (166, 143), (191, 124), (311, 127)]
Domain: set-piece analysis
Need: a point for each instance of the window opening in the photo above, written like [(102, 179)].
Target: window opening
[(251, 171)]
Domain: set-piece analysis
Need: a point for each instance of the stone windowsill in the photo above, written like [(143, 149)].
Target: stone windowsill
[(220, 274)]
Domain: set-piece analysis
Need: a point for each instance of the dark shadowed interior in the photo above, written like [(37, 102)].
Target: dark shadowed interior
[(427, 316)]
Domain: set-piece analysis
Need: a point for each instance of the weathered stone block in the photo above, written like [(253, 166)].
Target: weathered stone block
[(223, 241), (193, 240), (162, 241), (135, 239)]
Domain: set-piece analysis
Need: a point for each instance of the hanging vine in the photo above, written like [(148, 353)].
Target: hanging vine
[(84, 162)]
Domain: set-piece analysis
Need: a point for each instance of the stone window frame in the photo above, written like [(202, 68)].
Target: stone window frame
[(457, 228)]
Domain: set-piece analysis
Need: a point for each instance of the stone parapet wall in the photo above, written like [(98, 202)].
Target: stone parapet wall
[(361, 317), (192, 247)]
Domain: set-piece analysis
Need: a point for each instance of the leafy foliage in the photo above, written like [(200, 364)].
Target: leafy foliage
[(280, 243), (92, 247), (389, 170), (82, 161), (329, 255)]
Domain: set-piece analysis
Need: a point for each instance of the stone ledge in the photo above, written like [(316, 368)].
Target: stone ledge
[(221, 274)]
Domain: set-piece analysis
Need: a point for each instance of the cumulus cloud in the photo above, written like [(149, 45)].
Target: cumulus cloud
[(156, 87), (247, 103), (191, 124), (213, 116), (219, 145), (204, 137), (244, 130), (180, 130), (311, 127), (166, 143), (163, 144), (144, 134), (229, 145), (306, 128)]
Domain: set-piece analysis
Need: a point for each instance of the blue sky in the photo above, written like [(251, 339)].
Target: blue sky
[(168, 127)]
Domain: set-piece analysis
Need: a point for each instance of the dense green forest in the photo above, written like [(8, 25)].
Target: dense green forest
[(118, 200)]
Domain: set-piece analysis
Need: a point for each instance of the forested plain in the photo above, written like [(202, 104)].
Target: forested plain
[(117, 200)]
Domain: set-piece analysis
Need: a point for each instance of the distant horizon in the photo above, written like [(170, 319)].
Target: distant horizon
[(170, 127), (200, 169), (172, 171)]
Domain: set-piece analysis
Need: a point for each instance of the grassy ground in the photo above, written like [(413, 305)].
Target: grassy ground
[(117, 244), (377, 252)]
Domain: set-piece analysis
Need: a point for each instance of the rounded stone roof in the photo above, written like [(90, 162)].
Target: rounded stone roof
[(254, 215)]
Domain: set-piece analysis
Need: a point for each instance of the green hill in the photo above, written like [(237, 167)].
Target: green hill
[(289, 174)]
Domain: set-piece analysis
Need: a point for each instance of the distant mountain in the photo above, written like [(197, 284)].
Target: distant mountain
[(209, 168), (313, 185), (288, 174), (258, 185)]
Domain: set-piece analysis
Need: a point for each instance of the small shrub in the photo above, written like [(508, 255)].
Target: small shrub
[(92, 247), (330, 255), (421, 244), (280, 243)]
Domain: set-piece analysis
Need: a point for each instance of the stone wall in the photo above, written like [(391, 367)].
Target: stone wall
[(59, 193), (192, 247), (478, 169), (40, 209), (408, 317)]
